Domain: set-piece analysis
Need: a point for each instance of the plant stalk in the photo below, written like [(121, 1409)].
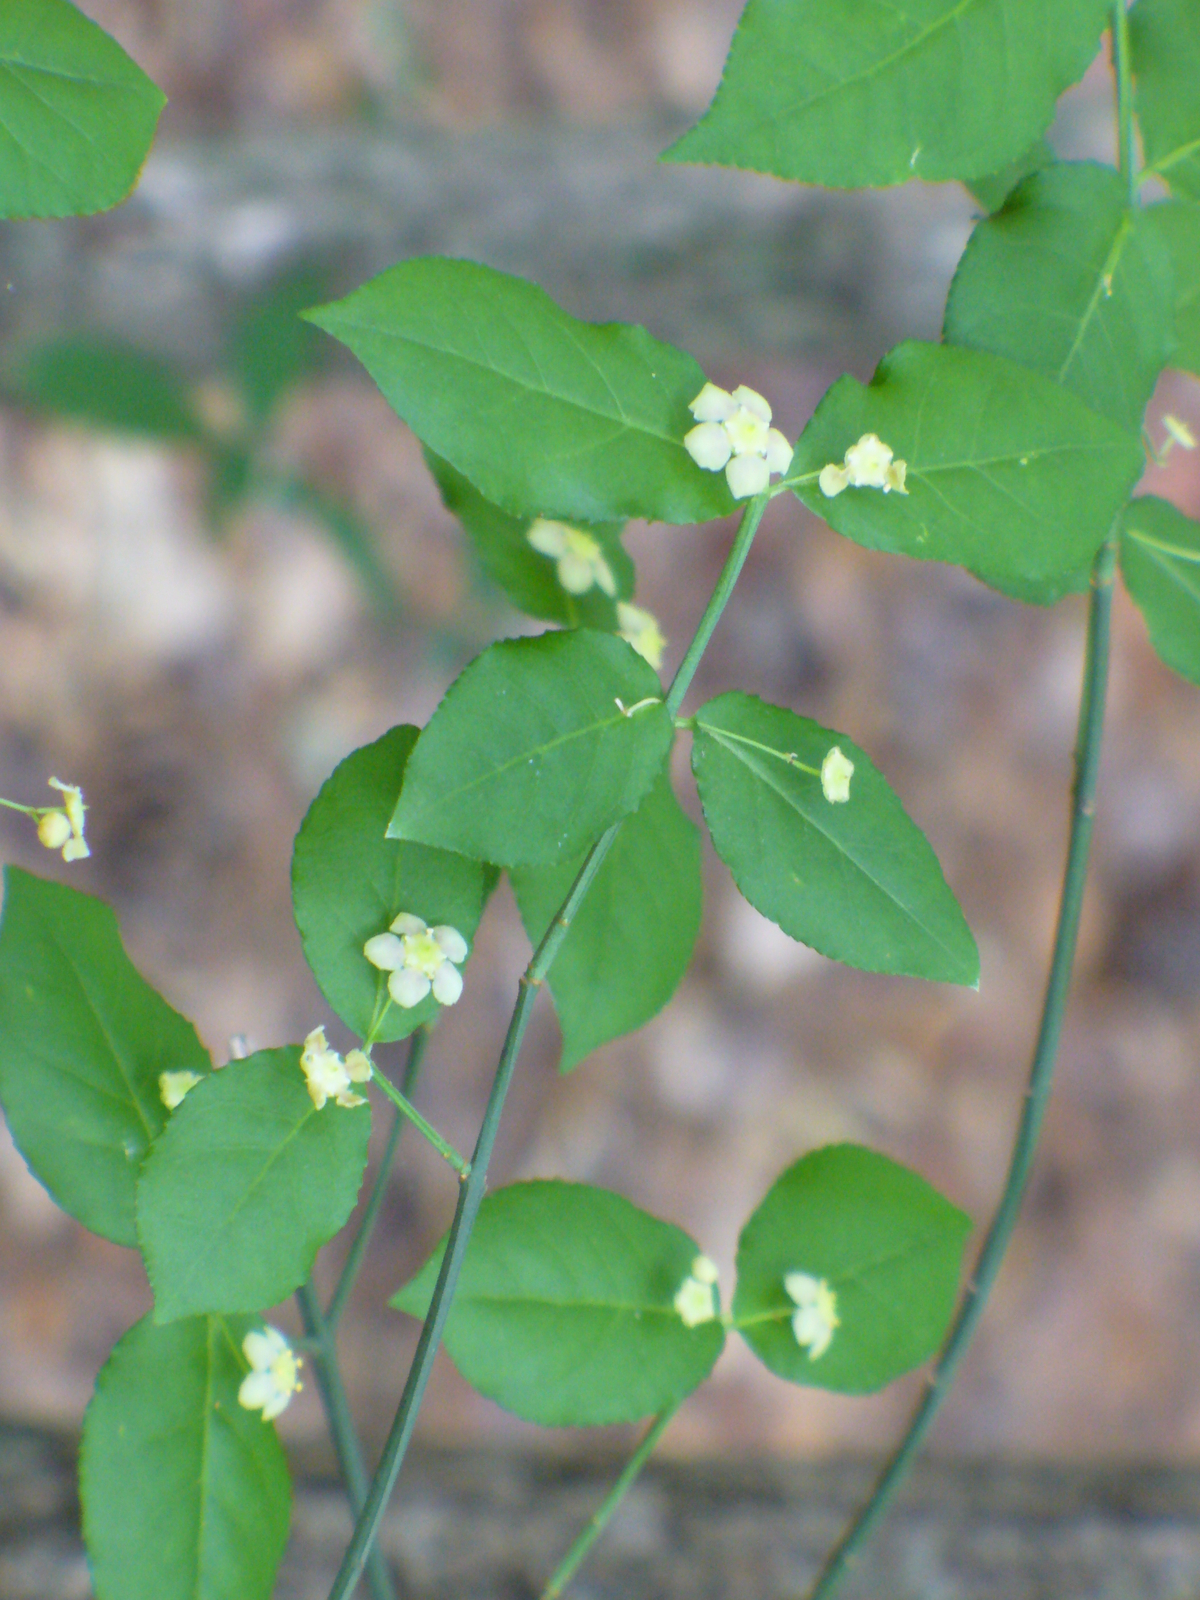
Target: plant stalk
[(426, 1129), (571, 1562), (1123, 70), (471, 1192), (1037, 1094), (358, 1249), (341, 1427)]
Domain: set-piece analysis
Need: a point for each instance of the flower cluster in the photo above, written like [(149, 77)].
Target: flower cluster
[(815, 1316), (696, 1299), (274, 1375), (419, 959), (329, 1077), (734, 431), (173, 1086), (579, 557), (836, 772), (61, 827), (868, 464), (640, 629)]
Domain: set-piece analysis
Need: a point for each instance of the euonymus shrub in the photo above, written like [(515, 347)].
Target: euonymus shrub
[(1011, 448)]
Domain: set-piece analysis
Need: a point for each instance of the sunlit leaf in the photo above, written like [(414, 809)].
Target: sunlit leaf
[(546, 415), (854, 93), (564, 1311), (83, 1039), (888, 1246), (1164, 38), (1160, 562)]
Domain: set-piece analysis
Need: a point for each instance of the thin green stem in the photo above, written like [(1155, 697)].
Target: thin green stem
[(573, 1559), (734, 562), (426, 1129), (29, 811), (1041, 1072), (470, 1194), (341, 1426), (358, 1249), (1124, 74)]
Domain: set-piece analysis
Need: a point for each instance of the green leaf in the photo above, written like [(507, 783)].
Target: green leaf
[(544, 414), (632, 939), (1160, 562), (855, 93), (1177, 223), (108, 386), (349, 881), (83, 1038), (1164, 37), (1070, 280), (76, 114), (244, 1186), (564, 1312), (1009, 475), (856, 880), (272, 348), (527, 577), (186, 1494), (530, 757), (888, 1245), (994, 189)]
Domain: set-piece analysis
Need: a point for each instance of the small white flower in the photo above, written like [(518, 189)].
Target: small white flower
[(61, 827), (640, 629), (419, 960), (733, 431), (173, 1086), (329, 1077), (869, 464), (836, 771), (579, 556), (274, 1375), (816, 1315), (695, 1299)]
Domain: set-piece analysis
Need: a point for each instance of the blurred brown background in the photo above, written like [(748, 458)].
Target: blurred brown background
[(200, 687)]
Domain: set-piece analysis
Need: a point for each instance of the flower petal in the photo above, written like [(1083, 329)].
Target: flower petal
[(407, 923), (708, 445), (408, 988), (385, 951), (452, 943), (447, 984), (548, 538), (712, 404), (746, 476)]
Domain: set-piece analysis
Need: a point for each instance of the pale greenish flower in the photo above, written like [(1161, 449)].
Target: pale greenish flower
[(274, 1375), (695, 1299), (816, 1317), (733, 431), (326, 1074), (61, 828), (869, 464), (579, 557), (1179, 432), (640, 629), (419, 960), (173, 1087), (836, 771)]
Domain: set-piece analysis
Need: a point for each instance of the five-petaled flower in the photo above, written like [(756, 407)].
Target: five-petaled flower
[(734, 431), (868, 464), (578, 555), (815, 1317), (418, 960), (695, 1299), (329, 1077), (274, 1375), (640, 629), (174, 1086), (836, 772), (61, 827)]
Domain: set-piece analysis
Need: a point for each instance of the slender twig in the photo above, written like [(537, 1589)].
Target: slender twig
[(1037, 1094), (470, 1195), (1123, 69), (341, 1426), (571, 1562), (358, 1249), (425, 1128)]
